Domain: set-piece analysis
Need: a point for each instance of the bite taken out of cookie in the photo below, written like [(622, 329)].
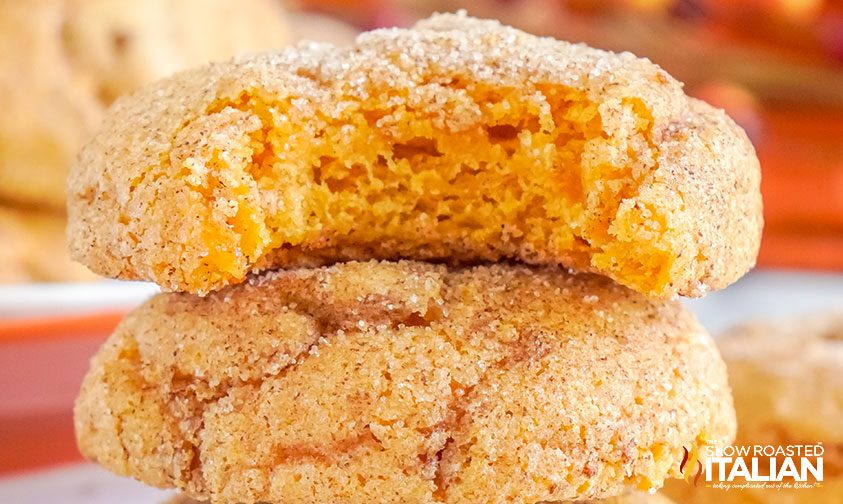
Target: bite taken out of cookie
[(458, 140)]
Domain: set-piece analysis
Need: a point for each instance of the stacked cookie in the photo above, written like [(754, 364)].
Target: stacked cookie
[(369, 249)]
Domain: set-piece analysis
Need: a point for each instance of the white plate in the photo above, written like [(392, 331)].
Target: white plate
[(766, 294), (37, 299), (77, 484)]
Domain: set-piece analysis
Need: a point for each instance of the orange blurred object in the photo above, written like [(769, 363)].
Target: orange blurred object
[(802, 162), (42, 362), (58, 327), (801, 155), (737, 101), (802, 250)]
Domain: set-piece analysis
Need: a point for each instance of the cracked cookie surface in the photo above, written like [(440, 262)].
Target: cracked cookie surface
[(404, 382), (459, 140)]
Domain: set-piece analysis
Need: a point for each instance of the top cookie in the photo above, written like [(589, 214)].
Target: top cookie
[(457, 140)]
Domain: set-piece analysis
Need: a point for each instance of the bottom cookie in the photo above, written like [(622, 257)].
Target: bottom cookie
[(405, 382)]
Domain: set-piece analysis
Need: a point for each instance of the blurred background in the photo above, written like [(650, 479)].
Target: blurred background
[(775, 65)]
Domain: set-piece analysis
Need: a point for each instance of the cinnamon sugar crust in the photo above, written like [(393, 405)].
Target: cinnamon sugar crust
[(630, 498)]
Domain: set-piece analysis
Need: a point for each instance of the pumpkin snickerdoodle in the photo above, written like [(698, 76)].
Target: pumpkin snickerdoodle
[(33, 248), (458, 140), (405, 382), (630, 498)]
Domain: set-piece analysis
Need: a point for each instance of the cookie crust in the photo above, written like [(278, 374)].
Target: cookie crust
[(631, 498)]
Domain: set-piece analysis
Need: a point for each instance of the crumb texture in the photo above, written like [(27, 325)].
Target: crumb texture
[(404, 382), (457, 140)]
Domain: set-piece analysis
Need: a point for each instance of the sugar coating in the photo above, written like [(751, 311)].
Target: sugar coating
[(404, 382), (788, 387), (458, 140), (65, 61)]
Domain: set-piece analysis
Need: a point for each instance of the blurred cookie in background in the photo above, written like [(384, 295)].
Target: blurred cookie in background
[(47, 108), (65, 61), (788, 388), (34, 250)]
